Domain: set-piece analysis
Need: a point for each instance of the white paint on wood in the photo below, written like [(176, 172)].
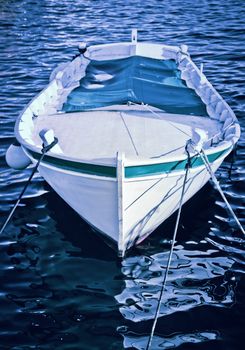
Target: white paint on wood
[(100, 134), (120, 198)]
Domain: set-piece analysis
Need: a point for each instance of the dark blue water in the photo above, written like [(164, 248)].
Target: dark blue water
[(61, 286)]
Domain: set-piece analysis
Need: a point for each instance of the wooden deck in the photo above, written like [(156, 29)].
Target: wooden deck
[(101, 133)]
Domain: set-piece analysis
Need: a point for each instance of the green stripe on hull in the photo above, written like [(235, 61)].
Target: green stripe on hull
[(156, 169), (130, 171), (84, 168)]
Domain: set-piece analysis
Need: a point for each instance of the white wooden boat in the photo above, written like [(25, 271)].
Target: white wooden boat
[(123, 114)]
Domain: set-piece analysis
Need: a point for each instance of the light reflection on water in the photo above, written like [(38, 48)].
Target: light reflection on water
[(61, 287), (139, 342), (196, 278)]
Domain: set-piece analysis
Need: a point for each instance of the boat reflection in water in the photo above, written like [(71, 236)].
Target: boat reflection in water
[(196, 278), (139, 342)]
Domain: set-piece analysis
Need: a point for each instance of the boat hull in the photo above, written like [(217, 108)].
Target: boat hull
[(145, 202), (94, 198), (127, 198)]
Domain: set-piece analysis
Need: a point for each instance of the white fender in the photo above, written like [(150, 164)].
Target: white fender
[(16, 157)]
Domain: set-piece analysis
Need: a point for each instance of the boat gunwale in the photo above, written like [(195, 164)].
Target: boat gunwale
[(129, 161), (132, 170)]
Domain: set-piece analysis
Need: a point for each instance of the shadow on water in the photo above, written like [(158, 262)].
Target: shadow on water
[(64, 287), (59, 281), (61, 286)]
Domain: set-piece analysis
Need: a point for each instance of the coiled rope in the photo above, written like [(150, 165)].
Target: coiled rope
[(44, 150), (187, 167)]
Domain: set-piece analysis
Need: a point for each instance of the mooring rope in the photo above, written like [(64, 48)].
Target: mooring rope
[(129, 134), (188, 165), (172, 124), (234, 154), (44, 150), (147, 107), (216, 182), (210, 139)]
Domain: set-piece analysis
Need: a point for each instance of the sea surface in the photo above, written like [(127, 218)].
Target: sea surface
[(61, 286)]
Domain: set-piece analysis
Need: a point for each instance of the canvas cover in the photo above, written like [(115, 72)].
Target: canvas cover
[(136, 79)]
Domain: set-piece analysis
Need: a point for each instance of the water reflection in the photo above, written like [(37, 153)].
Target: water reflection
[(196, 278), (171, 342), (53, 291), (58, 280)]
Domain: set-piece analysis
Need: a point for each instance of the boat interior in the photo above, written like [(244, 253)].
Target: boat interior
[(136, 130)]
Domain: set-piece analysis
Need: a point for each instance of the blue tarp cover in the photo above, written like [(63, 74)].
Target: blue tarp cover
[(136, 79)]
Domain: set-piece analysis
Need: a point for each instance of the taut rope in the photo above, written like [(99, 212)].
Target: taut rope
[(216, 183), (188, 165), (44, 150)]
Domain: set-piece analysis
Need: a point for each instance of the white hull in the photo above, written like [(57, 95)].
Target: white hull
[(145, 203), (93, 198)]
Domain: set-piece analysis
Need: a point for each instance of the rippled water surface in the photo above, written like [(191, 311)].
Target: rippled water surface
[(61, 286)]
